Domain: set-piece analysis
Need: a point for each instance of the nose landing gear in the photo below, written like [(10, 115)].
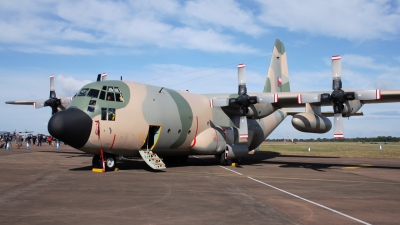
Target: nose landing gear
[(104, 161)]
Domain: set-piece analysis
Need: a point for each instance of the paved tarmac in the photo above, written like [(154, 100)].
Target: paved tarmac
[(48, 186)]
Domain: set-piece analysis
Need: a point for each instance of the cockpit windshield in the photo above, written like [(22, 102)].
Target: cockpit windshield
[(93, 93), (107, 93), (83, 92)]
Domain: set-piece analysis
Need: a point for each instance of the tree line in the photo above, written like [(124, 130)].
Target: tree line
[(357, 139)]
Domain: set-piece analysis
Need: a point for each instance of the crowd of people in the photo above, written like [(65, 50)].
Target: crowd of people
[(17, 140)]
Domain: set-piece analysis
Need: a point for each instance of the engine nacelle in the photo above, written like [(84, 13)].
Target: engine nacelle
[(351, 107), (236, 151), (258, 111), (311, 123)]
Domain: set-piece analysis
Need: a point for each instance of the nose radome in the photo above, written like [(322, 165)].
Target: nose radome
[(72, 126)]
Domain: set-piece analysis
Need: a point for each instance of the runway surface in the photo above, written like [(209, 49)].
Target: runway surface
[(48, 186)]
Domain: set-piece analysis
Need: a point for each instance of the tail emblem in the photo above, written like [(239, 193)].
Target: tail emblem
[(279, 82)]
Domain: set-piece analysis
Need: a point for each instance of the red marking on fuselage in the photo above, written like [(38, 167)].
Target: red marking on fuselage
[(195, 135), (113, 142)]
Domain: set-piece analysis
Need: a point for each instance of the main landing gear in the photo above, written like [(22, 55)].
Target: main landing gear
[(227, 162), (110, 162)]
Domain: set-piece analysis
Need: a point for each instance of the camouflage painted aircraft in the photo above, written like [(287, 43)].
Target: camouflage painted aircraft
[(112, 119)]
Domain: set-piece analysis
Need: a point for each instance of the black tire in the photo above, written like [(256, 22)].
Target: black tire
[(96, 161), (223, 161)]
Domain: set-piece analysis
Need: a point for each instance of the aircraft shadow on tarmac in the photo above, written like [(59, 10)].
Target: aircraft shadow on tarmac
[(139, 164), (256, 159)]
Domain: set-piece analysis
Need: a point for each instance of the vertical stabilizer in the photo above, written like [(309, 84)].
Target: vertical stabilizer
[(278, 73)]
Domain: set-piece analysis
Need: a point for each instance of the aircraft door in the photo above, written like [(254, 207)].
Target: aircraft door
[(152, 137)]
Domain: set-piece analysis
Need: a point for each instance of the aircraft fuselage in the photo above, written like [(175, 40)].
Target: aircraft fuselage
[(126, 117)]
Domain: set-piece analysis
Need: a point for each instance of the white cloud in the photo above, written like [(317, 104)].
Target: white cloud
[(60, 27), (68, 86), (353, 20), (223, 13)]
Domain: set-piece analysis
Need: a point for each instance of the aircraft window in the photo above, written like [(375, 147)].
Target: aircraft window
[(83, 92), (90, 109), (118, 97), (102, 95), (92, 102), (110, 88), (103, 113), (104, 88), (93, 93), (110, 96), (111, 114), (117, 90)]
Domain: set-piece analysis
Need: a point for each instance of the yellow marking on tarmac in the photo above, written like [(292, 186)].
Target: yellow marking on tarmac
[(357, 167)]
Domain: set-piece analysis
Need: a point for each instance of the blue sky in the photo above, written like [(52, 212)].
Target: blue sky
[(196, 45)]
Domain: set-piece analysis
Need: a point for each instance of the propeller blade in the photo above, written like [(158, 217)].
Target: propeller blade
[(38, 105), (308, 98), (66, 100), (243, 129), (338, 126), (368, 94), (52, 89), (267, 98), (336, 72), (219, 102), (103, 76), (242, 79)]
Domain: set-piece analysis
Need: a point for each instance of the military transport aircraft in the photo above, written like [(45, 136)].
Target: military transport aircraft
[(113, 119)]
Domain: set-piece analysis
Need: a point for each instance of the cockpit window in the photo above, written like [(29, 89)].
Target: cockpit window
[(118, 97), (110, 88), (110, 96), (93, 93), (83, 92), (117, 90), (104, 88), (102, 95)]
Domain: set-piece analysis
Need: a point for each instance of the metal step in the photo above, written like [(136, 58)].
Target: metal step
[(152, 159)]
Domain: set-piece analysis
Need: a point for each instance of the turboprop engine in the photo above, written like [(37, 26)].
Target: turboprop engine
[(311, 123), (351, 107)]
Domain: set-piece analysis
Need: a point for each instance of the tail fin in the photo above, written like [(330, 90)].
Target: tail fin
[(278, 73)]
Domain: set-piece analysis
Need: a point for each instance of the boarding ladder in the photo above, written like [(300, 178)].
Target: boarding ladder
[(152, 159)]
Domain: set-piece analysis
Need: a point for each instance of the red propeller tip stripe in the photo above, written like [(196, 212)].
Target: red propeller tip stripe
[(299, 99), (241, 66), (378, 94), (338, 136), (244, 136), (336, 57), (52, 75)]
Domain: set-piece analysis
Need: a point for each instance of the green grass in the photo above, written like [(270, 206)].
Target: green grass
[(342, 149)]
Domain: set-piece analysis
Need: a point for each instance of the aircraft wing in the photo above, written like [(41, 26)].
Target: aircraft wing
[(298, 99), (293, 112)]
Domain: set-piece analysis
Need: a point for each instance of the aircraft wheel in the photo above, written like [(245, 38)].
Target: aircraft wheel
[(111, 163), (96, 161), (223, 161)]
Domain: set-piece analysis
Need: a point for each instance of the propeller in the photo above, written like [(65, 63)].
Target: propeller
[(243, 101), (53, 101), (338, 97)]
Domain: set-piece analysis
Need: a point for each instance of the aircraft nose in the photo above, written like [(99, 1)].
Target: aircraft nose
[(72, 126)]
